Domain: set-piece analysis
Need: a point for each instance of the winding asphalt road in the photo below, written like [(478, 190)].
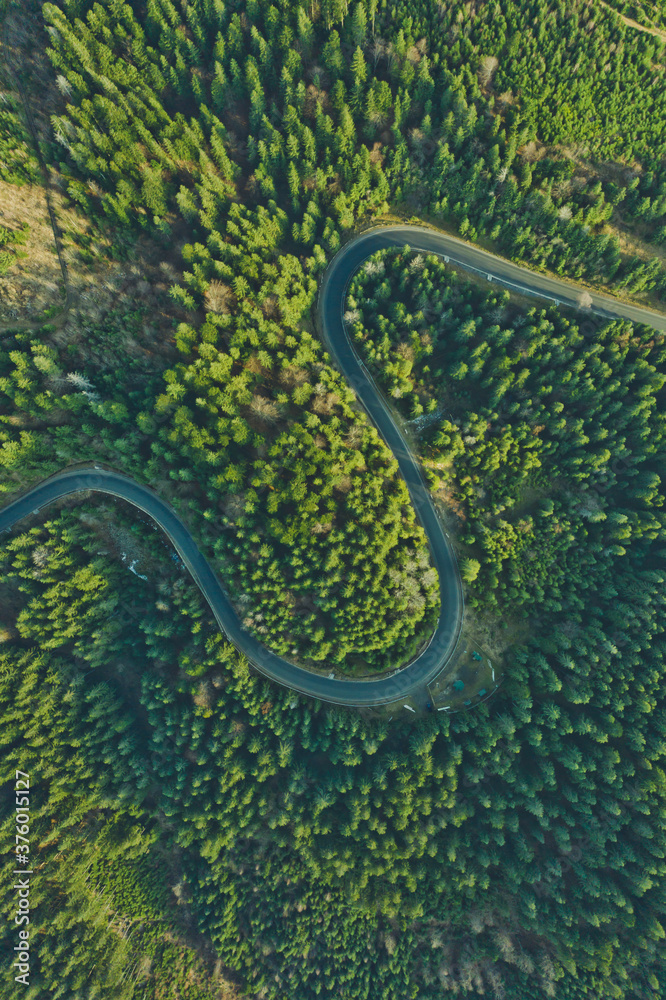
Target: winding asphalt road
[(471, 258), (413, 677)]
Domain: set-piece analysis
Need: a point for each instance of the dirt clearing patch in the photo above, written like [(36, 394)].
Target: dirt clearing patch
[(34, 282)]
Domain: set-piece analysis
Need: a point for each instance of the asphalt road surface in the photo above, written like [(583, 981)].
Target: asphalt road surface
[(472, 258), (411, 678)]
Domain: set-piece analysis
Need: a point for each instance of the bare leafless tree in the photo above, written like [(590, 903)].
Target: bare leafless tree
[(487, 70)]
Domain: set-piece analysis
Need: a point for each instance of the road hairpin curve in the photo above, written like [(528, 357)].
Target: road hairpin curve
[(415, 675)]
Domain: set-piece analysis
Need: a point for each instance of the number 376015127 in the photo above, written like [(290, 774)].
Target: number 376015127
[(22, 792)]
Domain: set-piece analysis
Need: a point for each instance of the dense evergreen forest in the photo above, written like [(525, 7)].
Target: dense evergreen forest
[(196, 831)]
